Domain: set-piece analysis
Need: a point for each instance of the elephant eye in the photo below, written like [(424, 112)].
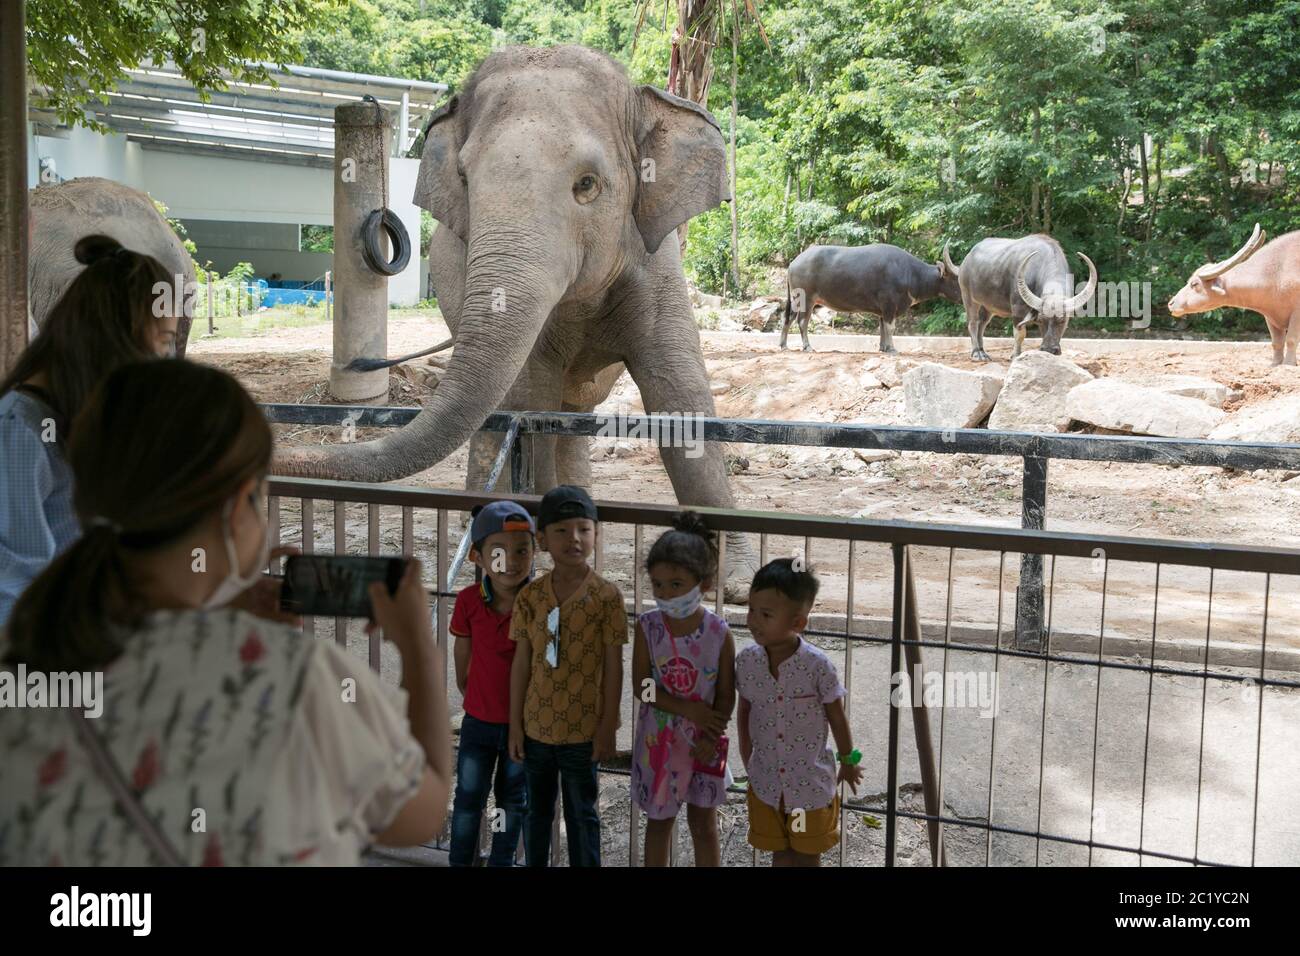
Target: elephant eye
[(586, 188)]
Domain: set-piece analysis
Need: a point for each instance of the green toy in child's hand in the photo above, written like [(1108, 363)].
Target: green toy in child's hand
[(852, 759)]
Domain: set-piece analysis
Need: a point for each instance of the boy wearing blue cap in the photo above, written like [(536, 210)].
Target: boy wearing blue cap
[(502, 536)]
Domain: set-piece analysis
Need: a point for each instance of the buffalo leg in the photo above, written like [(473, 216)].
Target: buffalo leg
[(1292, 339), (805, 319), (786, 316), (1020, 340), (887, 332), (974, 325)]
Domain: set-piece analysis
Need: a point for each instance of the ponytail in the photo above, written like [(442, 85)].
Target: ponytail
[(160, 446), (690, 545)]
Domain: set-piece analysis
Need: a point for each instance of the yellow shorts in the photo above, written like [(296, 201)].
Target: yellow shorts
[(812, 831)]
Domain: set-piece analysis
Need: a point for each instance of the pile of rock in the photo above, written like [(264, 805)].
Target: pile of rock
[(1041, 392)]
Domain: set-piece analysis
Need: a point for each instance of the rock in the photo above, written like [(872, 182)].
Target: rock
[(943, 397), (1191, 386), (622, 449), (763, 314), (1140, 410), (1277, 420), (874, 454), (1033, 393), (719, 388), (867, 381)]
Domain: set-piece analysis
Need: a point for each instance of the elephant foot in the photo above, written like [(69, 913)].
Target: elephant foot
[(742, 565)]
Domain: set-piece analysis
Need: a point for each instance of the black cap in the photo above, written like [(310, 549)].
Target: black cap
[(563, 502)]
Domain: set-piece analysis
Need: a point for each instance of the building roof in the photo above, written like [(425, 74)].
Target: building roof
[(291, 121)]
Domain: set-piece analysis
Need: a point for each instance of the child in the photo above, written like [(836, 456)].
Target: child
[(566, 679), (683, 666), (502, 536), (789, 693)]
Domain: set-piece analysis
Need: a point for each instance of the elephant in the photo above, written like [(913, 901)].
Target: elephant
[(555, 183), (63, 213)]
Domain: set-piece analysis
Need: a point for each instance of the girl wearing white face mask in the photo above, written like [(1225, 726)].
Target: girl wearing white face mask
[(683, 660), (211, 712)]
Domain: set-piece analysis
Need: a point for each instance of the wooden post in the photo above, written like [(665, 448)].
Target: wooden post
[(13, 191), (211, 312), (327, 295)]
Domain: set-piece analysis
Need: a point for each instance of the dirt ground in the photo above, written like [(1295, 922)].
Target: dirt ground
[(753, 379)]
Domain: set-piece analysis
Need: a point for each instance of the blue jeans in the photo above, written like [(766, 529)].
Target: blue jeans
[(483, 747), (552, 768)]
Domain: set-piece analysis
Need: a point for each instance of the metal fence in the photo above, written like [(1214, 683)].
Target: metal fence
[(1019, 786), (1033, 448)]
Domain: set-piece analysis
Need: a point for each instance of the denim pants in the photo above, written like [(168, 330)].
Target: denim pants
[(483, 748), (552, 768)]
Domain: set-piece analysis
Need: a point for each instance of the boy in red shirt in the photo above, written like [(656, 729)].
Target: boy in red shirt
[(502, 536)]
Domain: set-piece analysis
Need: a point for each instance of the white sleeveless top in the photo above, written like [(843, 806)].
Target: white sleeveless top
[(248, 744)]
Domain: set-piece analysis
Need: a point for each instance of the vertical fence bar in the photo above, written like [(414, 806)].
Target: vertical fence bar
[(1146, 732), (1029, 590), (848, 683), (1096, 707), (895, 660), (1200, 749), (921, 716), (943, 711), (308, 547), (408, 531), (1042, 724), (1259, 719), (340, 547), (634, 811), (273, 527), (718, 606), (993, 741), (441, 560), (372, 547)]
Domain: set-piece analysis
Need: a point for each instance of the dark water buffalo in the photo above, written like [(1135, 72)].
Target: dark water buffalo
[(882, 279), (1027, 279)]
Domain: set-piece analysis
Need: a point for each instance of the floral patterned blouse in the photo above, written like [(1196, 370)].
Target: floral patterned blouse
[(246, 742)]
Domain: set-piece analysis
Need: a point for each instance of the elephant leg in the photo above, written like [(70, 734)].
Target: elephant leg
[(675, 382), (573, 454)]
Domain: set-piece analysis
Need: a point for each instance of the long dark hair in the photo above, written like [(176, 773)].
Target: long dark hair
[(690, 545), (158, 448), (104, 319)]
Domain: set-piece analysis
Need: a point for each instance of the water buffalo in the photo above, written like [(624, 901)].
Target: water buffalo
[(882, 279), (1027, 279), (1264, 280)]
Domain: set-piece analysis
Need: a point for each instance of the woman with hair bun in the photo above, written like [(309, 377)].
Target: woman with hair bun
[(114, 312)]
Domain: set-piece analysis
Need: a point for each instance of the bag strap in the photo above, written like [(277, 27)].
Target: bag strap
[(108, 771)]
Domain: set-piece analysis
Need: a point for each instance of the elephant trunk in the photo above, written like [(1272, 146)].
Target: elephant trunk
[(513, 281)]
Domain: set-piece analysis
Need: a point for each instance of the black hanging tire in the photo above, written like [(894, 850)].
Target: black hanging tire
[(385, 219)]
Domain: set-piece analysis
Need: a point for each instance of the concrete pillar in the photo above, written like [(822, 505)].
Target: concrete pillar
[(13, 185), (362, 139)]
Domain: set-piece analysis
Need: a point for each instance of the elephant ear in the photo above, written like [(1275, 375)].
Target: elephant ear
[(683, 165), (438, 187)]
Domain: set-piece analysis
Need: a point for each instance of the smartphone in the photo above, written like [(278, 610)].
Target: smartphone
[(334, 585)]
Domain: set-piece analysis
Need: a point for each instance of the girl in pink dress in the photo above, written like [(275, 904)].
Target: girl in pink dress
[(683, 668)]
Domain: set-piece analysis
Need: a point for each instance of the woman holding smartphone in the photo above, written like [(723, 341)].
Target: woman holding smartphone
[(232, 740)]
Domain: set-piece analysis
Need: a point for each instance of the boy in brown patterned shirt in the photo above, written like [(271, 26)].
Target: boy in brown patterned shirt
[(566, 678)]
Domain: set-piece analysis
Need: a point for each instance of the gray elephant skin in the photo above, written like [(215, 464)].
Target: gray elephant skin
[(65, 212), (879, 278), (1027, 279), (557, 185)]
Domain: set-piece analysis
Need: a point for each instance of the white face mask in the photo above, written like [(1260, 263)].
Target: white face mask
[(682, 606), (235, 585)]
